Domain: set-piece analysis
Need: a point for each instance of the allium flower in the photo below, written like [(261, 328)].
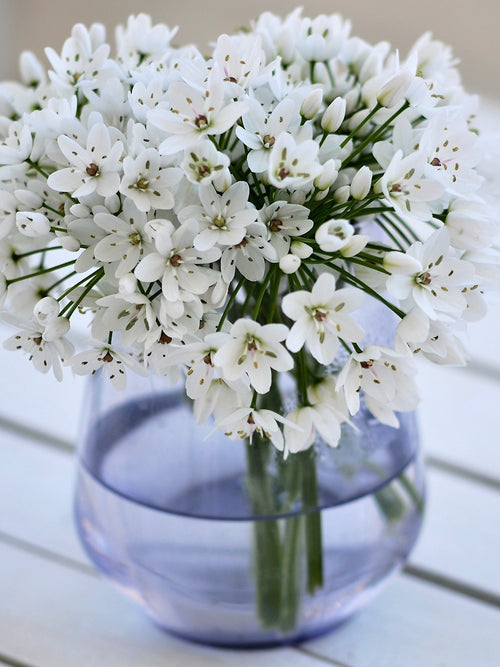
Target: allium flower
[(222, 219), (254, 350), (386, 379), (146, 183), (427, 277), (111, 360), (95, 168), (194, 114), (322, 317)]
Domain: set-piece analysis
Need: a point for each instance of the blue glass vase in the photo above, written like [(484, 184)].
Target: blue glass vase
[(206, 534)]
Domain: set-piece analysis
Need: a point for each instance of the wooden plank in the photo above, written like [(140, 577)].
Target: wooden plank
[(60, 617), (36, 400), (460, 538), (36, 495), (414, 624), (459, 418)]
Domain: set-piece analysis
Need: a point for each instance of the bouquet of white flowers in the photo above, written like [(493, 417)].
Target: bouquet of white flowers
[(224, 218)]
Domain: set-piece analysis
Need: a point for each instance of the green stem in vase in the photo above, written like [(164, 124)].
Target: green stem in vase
[(267, 540), (312, 522)]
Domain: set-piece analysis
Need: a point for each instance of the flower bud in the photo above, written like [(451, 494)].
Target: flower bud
[(32, 224), (355, 245), (290, 263), (328, 176), (356, 120), (32, 72), (301, 249), (311, 104), (46, 310), (56, 328), (69, 243), (361, 183), (394, 90), (333, 235), (342, 194), (127, 284), (334, 115), (351, 99)]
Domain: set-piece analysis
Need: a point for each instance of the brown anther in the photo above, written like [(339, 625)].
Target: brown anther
[(208, 359), (176, 260), (92, 169), (231, 79), (320, 316), (252, 346), (275, 225), (424, 278), (107, 357), (164, 339), (367, 364), (201, 121), (283, 172), (242, 243), (396, 188), (250, 419), (37, 340), (436, 162), (268, 141), (203, 169)]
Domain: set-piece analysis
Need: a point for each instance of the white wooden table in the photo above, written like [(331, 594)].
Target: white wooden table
[(443, 610)]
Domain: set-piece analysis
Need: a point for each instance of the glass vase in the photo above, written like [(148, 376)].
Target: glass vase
[(224, 542)]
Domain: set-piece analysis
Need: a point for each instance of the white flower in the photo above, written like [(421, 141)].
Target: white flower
[(428, 276), (147, 183), (291, 164), (108, 358), (323, 37), (244, 422), (44, 343), (16, 146), (322, 317), (222, 219), (261, 129), (203, 164), (194, 115), (334, 235), (435, 340), (176, 262), (255, 350), (386, 379), (406, 188), (125, 240), (95, 168), (249, 255), (283, 221)]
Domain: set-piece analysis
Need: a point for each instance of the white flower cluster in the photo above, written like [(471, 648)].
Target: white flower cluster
[(227, 216)]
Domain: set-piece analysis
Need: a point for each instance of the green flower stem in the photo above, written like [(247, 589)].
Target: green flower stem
[(290, 574), (365, 120), (40, 272), (230, 302), (374, 136), (72, 306), (412, 492), (312, 522), (390, 503), (99, 272), (267, 539)]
